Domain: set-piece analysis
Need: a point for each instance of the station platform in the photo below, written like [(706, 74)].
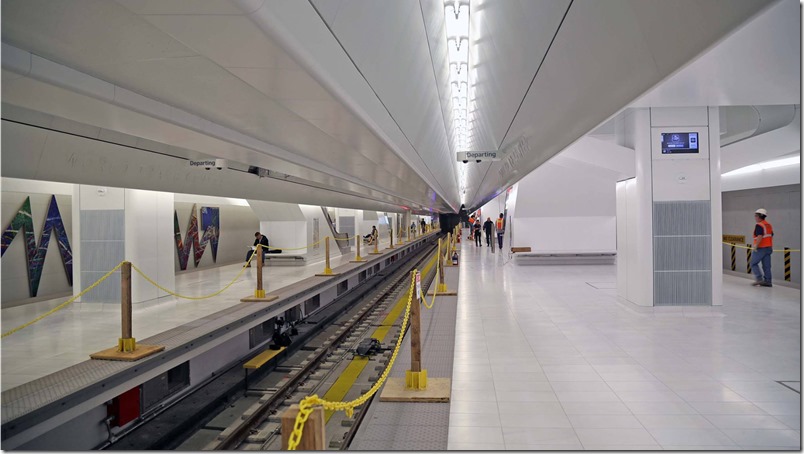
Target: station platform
[(549, 358), (69, 336)]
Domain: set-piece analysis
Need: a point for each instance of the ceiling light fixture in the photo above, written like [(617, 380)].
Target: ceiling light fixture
[(456, 18), (791, 161)]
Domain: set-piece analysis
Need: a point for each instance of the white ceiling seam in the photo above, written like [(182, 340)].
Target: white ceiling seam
[(399, 40), (328, 64), (415, 149), (68, 78)]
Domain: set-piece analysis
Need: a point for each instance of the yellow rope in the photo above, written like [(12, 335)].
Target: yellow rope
[(775, 250), (64, 304), (177, 295), (434, 284), (308, 403)]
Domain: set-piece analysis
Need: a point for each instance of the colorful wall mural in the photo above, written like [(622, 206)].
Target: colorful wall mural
[(210, 225), (35, 254)]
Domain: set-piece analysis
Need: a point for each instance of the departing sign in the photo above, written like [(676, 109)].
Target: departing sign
[(479, 155)]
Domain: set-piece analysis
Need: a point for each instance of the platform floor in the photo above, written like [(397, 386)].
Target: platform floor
[(69, 336), (548, 358)]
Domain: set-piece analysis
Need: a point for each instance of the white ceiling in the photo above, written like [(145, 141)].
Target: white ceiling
[(352, 94)]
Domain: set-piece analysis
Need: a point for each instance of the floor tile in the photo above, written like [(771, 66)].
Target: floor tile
[(587, 396), (674, 422), (613, 436), (540, 436), (476, 446), (727, 408), (746, 422), (604, 421), (543, 447), (660, 408), (698, 437), (526, 396), (459, 434), (787, 438), (474, 419), (595, 408), (536, 419), (780, 408)]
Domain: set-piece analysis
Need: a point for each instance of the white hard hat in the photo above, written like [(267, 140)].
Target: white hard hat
[(761, 211)]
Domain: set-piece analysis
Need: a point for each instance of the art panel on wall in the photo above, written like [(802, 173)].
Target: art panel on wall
[(210, 224), (35, 254)]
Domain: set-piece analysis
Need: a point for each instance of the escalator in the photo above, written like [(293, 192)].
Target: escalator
[(341, 238)]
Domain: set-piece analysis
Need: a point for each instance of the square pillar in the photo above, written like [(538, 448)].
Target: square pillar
[(669, 215)]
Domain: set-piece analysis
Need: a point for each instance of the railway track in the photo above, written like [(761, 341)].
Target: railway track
[(258, 426)]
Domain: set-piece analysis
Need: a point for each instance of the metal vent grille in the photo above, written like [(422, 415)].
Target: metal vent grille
[(682, 257), (102, 248)]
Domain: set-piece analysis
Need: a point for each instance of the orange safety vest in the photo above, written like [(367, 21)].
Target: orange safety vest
[(767, 237), (499, 224), (471, 221)]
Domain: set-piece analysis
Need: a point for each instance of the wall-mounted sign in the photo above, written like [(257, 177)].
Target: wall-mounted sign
[(736, 239), (481, 155), (209, 164)]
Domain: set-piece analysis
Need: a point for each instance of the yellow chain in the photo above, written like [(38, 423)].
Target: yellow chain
[(775, 250), (64, 304), (308, 403)]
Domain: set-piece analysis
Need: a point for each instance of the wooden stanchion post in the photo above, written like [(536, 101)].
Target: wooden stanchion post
[(416, 377), (391, 238), (126, 343), (314, 433), (358, 258), (327, 268), (259, 293), (127, 348)]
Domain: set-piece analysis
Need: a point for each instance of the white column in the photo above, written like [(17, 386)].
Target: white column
[(669, 216), (150, 243)]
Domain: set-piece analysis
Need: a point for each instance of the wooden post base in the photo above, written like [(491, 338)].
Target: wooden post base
[(257, 299), (114, 353), (395, 390)]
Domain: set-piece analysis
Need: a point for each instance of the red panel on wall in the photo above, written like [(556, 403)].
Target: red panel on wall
[(126, 407)]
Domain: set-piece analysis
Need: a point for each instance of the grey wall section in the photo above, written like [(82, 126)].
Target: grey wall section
[(784, 213), (103, 246), (13, 265), (238, 224)]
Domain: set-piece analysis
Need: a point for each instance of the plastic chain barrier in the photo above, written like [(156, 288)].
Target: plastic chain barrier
[(64, 304), (306, 405), (775, 250)]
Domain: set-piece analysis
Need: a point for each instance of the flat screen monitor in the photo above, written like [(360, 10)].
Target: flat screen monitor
[(679, 142)]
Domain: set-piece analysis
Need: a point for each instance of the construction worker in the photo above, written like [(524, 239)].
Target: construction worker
[(471, 225), (763, 248), (500, 230)]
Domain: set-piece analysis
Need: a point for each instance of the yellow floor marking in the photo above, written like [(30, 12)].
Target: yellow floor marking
[(347, 379)]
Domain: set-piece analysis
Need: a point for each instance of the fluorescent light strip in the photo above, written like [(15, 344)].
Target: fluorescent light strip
[(792, 161)]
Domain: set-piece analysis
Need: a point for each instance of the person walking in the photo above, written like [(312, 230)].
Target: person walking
[(471, 225), (763, 248), (424, 226), (487, 226), (476, 233), (500, 230)]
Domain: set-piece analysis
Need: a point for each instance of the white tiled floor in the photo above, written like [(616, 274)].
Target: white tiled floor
[(69, 336), (545, 361)]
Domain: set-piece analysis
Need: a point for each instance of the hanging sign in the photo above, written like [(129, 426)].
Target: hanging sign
[(418, 286)]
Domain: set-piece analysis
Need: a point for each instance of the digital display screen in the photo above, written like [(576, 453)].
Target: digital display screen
[(679, 142)]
